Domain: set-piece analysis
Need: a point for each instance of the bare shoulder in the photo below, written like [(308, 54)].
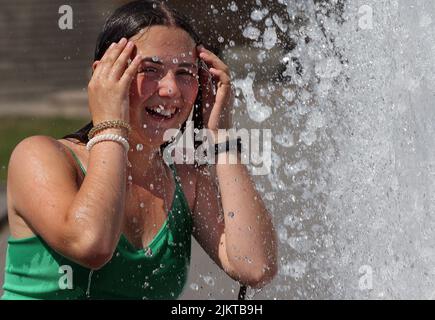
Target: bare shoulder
[(36, 150), (38, 169)]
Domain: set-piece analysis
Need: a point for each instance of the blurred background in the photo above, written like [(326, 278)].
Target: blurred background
[(346, 88)]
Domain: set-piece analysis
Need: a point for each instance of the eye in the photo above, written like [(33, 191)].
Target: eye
[(186, 73), (147, 70)]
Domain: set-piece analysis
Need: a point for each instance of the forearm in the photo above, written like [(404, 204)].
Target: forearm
[(249, 233), (97, 211)]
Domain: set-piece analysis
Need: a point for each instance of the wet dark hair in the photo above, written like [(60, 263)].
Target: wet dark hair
[(127, 21)]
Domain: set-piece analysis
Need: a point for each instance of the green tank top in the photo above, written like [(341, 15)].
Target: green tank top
[(33, 270)]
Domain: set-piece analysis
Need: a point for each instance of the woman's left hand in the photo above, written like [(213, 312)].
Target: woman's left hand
[(216, 110)]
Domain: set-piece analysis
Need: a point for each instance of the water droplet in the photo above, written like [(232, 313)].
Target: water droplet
[(233, 6), (88, 292), (170, 90), (183, 55), (251, 32), (175, 61), (221, 39), (232, 43), (155, 58), (148, 252), (154, 5), (141, 205), (190, 53), (194, 286), (258, 15), (144, 126), (145, 285), (130, 178), (139, 147), (151, 186), (209, 280), (231, 214)]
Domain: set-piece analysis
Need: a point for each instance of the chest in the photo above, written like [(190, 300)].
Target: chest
[(146, 208)]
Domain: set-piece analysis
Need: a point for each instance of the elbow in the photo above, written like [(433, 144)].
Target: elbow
[(258, 277), (95, 260), (264, 276), (268, 271), (93, 255)]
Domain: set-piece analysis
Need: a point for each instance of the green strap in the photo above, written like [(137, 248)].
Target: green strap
[(172, 166), (174, 172), (77, 160)]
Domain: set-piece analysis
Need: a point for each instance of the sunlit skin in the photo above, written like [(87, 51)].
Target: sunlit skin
[(169, 75), (159, 81), (116, 92), (169, 80)]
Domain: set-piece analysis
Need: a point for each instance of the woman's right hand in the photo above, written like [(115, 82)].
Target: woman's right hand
[(108, 89)]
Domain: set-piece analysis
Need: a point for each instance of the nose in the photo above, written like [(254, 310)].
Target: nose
[(167, 86)]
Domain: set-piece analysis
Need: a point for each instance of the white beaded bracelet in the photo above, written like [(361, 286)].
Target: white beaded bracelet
[(108, 137)]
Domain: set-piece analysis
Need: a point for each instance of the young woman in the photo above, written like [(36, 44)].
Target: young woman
[(107, 218)]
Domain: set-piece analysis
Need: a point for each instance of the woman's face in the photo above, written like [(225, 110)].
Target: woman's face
[(163, 92)]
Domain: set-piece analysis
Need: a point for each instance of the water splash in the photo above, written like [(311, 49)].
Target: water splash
[(256, 110), (351, 182)]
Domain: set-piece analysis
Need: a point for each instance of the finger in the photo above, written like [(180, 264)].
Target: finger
[(223, 77), (212, 59), (220, 113), (208, 97), (110, 57), (121, 63), (131, 71), (224, 88), (223, 97), (205, 78), (97, 69), (222, 100)]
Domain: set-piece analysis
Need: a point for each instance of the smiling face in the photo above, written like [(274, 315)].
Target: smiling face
[(163, 92)]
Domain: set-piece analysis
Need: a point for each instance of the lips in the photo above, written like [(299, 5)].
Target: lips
[(161, 112)]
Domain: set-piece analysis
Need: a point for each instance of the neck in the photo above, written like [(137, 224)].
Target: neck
[(142, 156)]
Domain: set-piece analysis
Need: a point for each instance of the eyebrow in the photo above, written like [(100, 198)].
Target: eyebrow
[(183, 64)]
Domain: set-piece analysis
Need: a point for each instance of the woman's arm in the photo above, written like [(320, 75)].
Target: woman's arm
[(244, 244), (250, 236), (251, 240), (82, 223)]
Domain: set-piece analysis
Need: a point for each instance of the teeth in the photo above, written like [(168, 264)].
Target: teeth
[(166, 113)]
